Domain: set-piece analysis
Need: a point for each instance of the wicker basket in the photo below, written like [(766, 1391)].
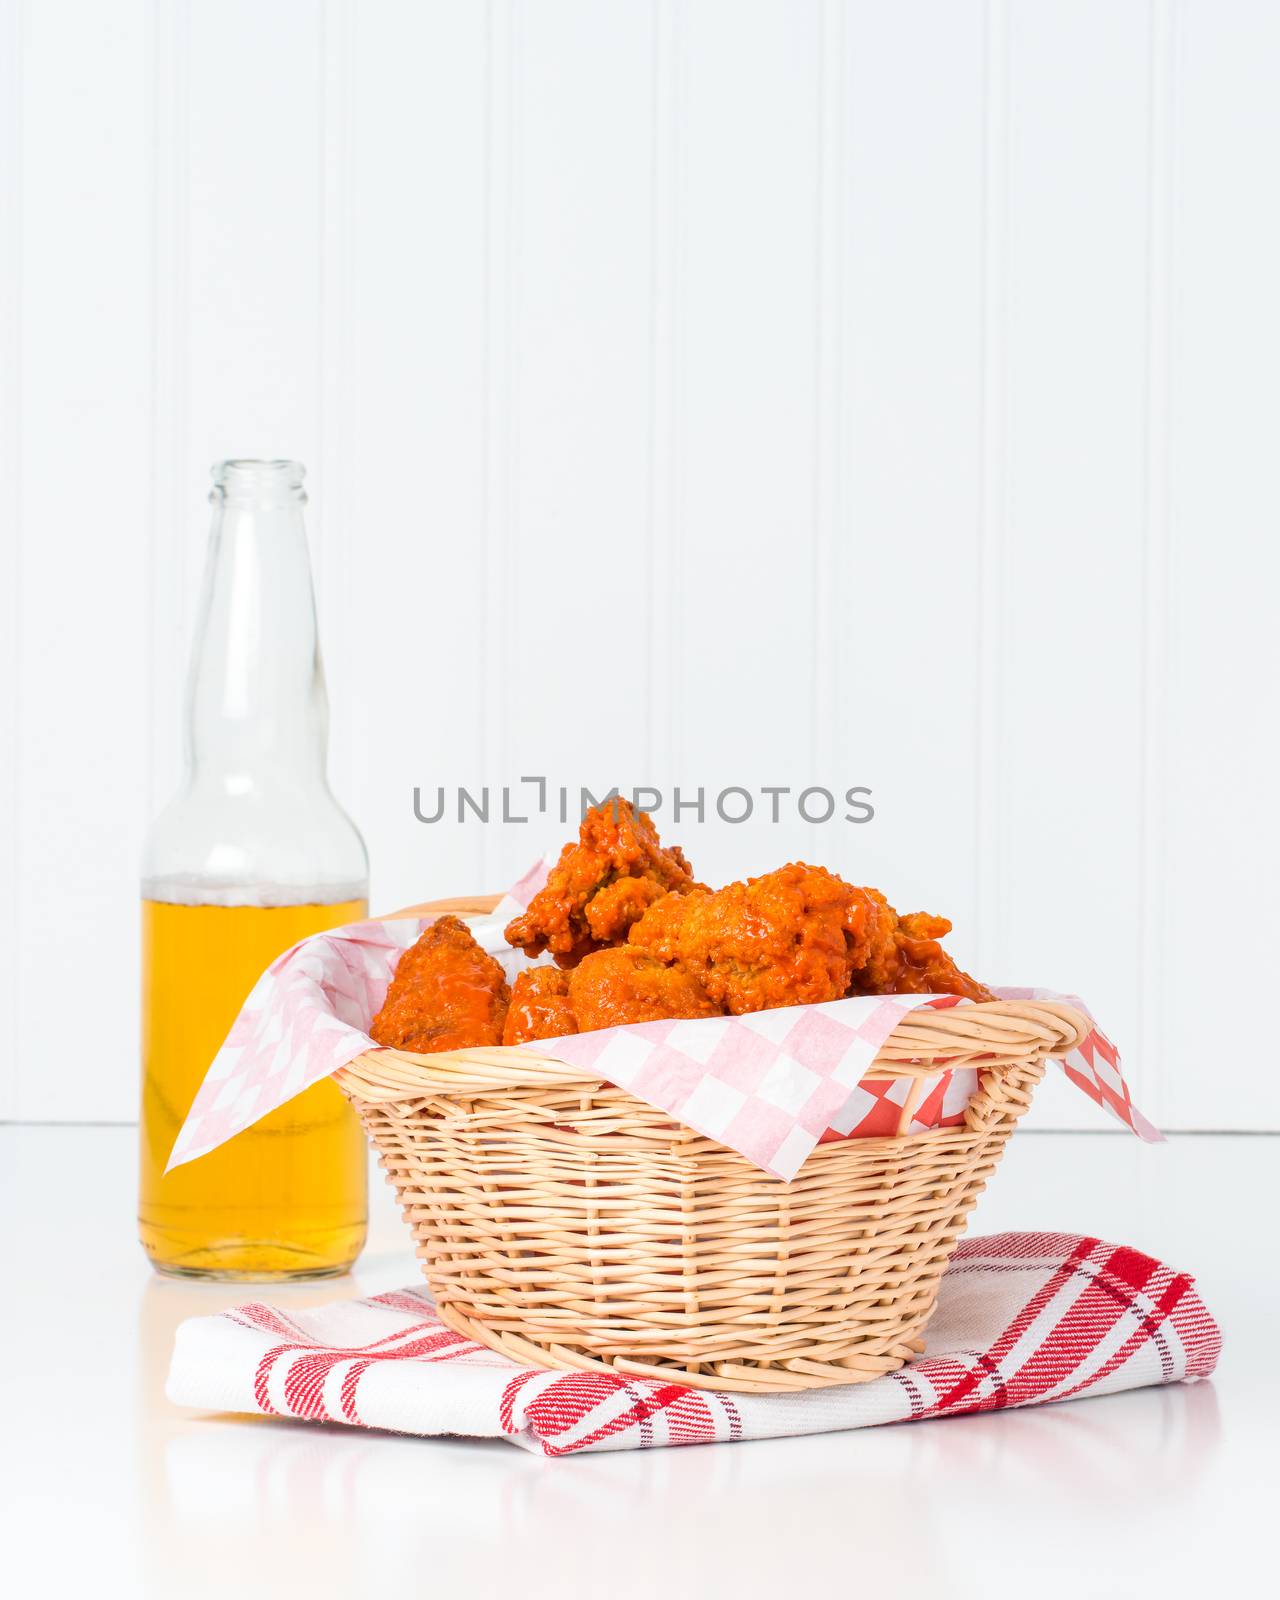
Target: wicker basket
[(567, 1224)]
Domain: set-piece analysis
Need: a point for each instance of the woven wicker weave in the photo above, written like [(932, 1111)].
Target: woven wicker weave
[(567, 1224)]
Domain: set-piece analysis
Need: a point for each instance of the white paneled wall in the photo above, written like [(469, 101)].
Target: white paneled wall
[(758, 392)]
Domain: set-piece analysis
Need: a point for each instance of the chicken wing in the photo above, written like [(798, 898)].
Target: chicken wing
[(446, 994), (540, 1007), (600, 886), (799, 936), (901, 955), (625, 984), (784, 939)]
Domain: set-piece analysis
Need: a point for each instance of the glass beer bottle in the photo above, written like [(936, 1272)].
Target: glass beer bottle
[(253, 854)]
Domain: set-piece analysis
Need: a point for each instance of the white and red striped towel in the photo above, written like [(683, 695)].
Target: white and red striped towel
[(1022, 1319)]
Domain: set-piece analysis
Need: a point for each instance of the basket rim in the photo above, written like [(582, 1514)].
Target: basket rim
[(995, 1034)]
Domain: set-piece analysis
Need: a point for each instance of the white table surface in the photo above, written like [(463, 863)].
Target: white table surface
[(105, 1485)]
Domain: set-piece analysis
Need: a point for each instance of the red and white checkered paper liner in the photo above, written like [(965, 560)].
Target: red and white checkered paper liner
[(769, 1085), (1022, 1319)]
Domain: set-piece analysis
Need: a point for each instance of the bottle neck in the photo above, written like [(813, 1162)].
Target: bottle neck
[(257, 708)]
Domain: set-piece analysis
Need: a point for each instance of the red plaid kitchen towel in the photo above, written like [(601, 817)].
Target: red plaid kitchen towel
[(1022, 1319)]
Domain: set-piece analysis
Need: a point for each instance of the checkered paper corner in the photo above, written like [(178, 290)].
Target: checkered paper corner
[(1094, 1067), (304, 1019), (770, 1085), (774, 1084)]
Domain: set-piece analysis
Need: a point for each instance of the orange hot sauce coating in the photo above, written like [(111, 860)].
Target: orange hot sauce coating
[(799, 936), (540, 1007), (796, 936), (613, 987), (901, 954), (447, 994), (784, 939), (600, 886)]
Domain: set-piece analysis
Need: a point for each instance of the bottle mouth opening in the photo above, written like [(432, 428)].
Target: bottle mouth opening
[(263, 482)]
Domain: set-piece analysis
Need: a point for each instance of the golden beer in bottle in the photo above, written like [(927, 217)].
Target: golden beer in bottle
[(253, 854)]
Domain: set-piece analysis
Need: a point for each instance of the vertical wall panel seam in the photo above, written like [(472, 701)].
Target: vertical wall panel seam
[(677, 748), (661, 369), (487, 662), (336, 338), (828, 350), (154, 475), (172, 502), (496, 645), (1148, 1055), (992, 544), (191, 551), (511, 387), (11, 662), (670, 595)]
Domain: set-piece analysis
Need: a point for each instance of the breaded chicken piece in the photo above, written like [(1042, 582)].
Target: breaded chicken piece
[(539, 1006), (611, 987), (447, 994), (901, 955), (799, 936), (600, 886), (605, 989), (784, 939), (612, 910)]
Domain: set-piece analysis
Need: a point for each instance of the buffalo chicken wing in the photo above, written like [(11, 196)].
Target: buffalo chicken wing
[(784, 939), (446, 994), (799, 936), (540, 1007), (600, 886)]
